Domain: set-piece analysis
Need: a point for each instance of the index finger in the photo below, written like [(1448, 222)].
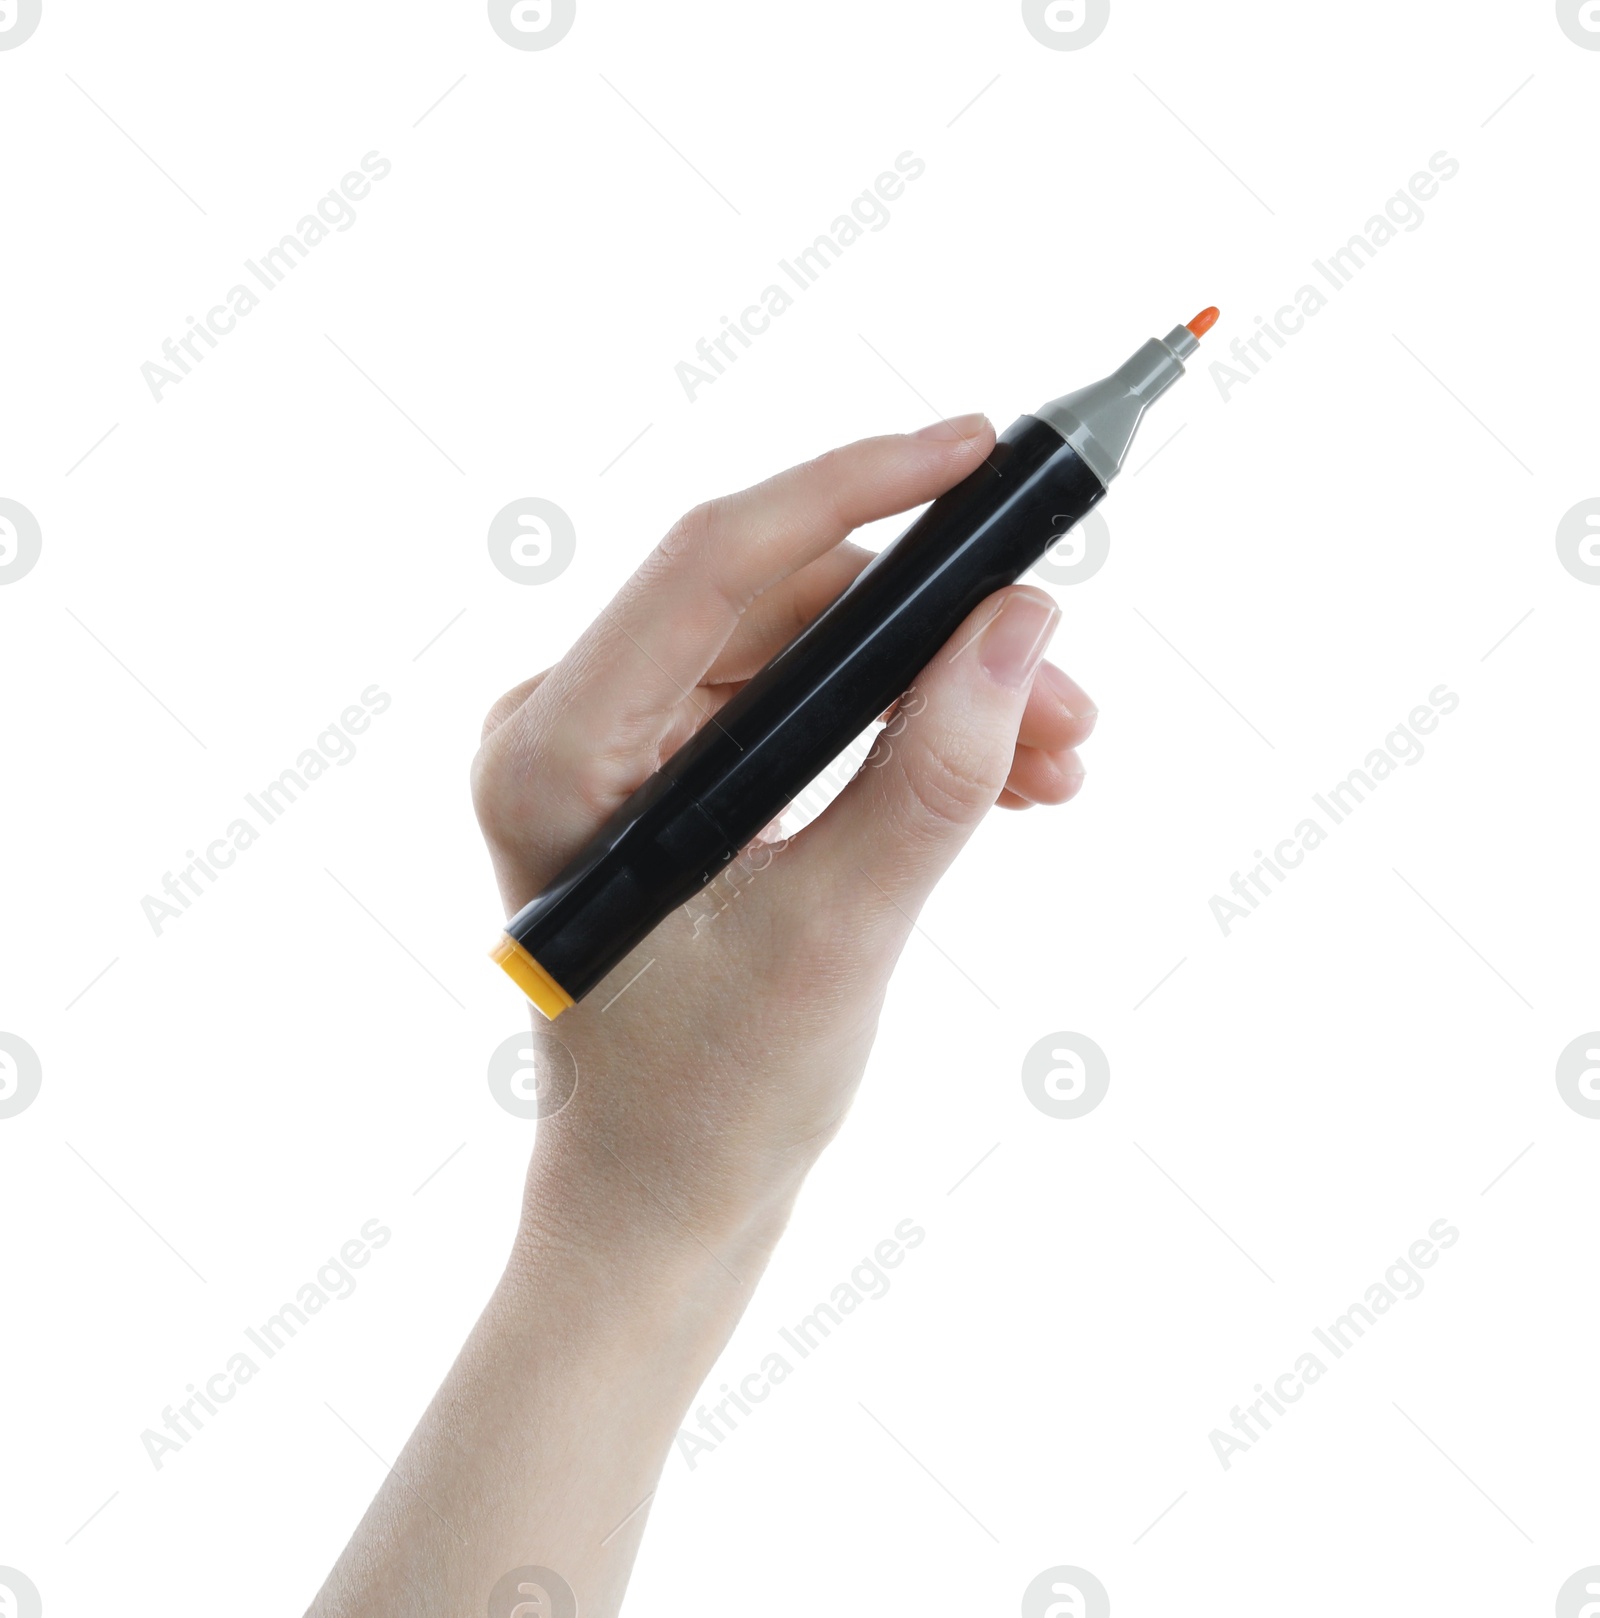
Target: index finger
[(607, 702)]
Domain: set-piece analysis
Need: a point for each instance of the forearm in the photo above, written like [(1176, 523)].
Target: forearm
[(547, 1437)]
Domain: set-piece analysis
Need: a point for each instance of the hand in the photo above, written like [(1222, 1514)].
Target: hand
[(719, 1058), (713, 1065)]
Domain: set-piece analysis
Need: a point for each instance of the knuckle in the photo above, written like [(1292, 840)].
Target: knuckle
[(953, 784), (490, 800), (702, 541), (694, 532), (598, 780), (699, 542), (508, 704), (497, 715), (829, 477), (522, 772)]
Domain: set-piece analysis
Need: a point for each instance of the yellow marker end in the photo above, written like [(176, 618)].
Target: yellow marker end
[(518, 965)]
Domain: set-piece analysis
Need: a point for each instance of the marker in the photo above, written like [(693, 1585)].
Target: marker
[(739, 772)]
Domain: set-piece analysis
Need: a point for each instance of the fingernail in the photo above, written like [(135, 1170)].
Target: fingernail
[(1016, 637), (959, 427)]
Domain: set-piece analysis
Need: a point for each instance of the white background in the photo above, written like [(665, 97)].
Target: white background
[(1363, 521)]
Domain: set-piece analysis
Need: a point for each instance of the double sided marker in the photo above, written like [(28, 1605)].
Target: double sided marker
[(739, 772)]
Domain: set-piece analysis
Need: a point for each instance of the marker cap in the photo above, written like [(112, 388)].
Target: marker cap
[(530, 977)]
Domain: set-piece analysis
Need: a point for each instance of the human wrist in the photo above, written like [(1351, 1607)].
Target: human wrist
[(655, 1180), (630, 1255)]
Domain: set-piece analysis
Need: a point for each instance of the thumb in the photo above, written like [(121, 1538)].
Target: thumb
[(904, 818)]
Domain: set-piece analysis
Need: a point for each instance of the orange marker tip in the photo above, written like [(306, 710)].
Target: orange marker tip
[(1204, 321)]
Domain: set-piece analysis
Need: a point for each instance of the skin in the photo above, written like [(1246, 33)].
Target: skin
[(710, 1086)]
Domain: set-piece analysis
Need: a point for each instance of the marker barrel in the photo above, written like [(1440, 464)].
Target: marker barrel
[(737, 774)]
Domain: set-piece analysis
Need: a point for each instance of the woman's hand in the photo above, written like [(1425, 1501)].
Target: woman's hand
[(716, 1062), (718, 1059)]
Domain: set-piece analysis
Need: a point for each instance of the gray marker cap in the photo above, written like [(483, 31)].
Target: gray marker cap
[(1099, 421)]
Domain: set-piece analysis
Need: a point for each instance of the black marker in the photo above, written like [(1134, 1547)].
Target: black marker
[(739, 772)]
